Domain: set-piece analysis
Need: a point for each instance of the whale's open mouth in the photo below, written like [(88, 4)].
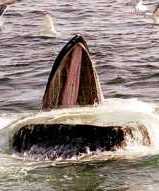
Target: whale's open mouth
[(66, 141), (73, 80)]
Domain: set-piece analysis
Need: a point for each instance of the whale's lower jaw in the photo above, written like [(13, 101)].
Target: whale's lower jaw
[(73, 79), (65, 141)]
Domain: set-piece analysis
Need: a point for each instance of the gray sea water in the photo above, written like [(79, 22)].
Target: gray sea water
[(124, 47)]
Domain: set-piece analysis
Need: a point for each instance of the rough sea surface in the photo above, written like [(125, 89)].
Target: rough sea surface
[(125, 49)]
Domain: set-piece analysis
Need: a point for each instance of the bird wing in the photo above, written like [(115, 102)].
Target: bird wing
[(2, 9)]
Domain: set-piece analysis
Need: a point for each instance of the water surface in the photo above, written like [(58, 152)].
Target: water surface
[(124, 48)]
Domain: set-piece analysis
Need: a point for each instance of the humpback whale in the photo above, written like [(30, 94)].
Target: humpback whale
[(71, 123)]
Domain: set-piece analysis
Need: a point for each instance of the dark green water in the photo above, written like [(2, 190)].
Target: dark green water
[(112, 175)]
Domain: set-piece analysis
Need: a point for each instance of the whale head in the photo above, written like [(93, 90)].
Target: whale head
[(73, 80)]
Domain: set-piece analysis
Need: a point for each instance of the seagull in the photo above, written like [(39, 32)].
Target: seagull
[(140, 7), (2, 10), (155, 15), (152, 13), (3, 7)]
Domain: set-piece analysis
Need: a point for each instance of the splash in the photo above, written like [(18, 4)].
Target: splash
[(1, 22), (135, 123), (48, 26)]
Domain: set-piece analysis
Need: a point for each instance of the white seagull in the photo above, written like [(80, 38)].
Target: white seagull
[(151, 11), (3, 7), (140, 7), (155, 15)]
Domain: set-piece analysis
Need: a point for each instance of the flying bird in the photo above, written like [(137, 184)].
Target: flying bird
[(2, 9), (155, 15), (141, 7), (4, 4)]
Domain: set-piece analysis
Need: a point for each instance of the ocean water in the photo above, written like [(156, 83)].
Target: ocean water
[(124, 47)]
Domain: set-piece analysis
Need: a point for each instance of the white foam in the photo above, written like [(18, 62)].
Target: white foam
[(48, 27), (5, 121), (1, 22)]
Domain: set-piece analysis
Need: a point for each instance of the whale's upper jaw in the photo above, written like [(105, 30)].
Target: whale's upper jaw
[(73, 79)]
